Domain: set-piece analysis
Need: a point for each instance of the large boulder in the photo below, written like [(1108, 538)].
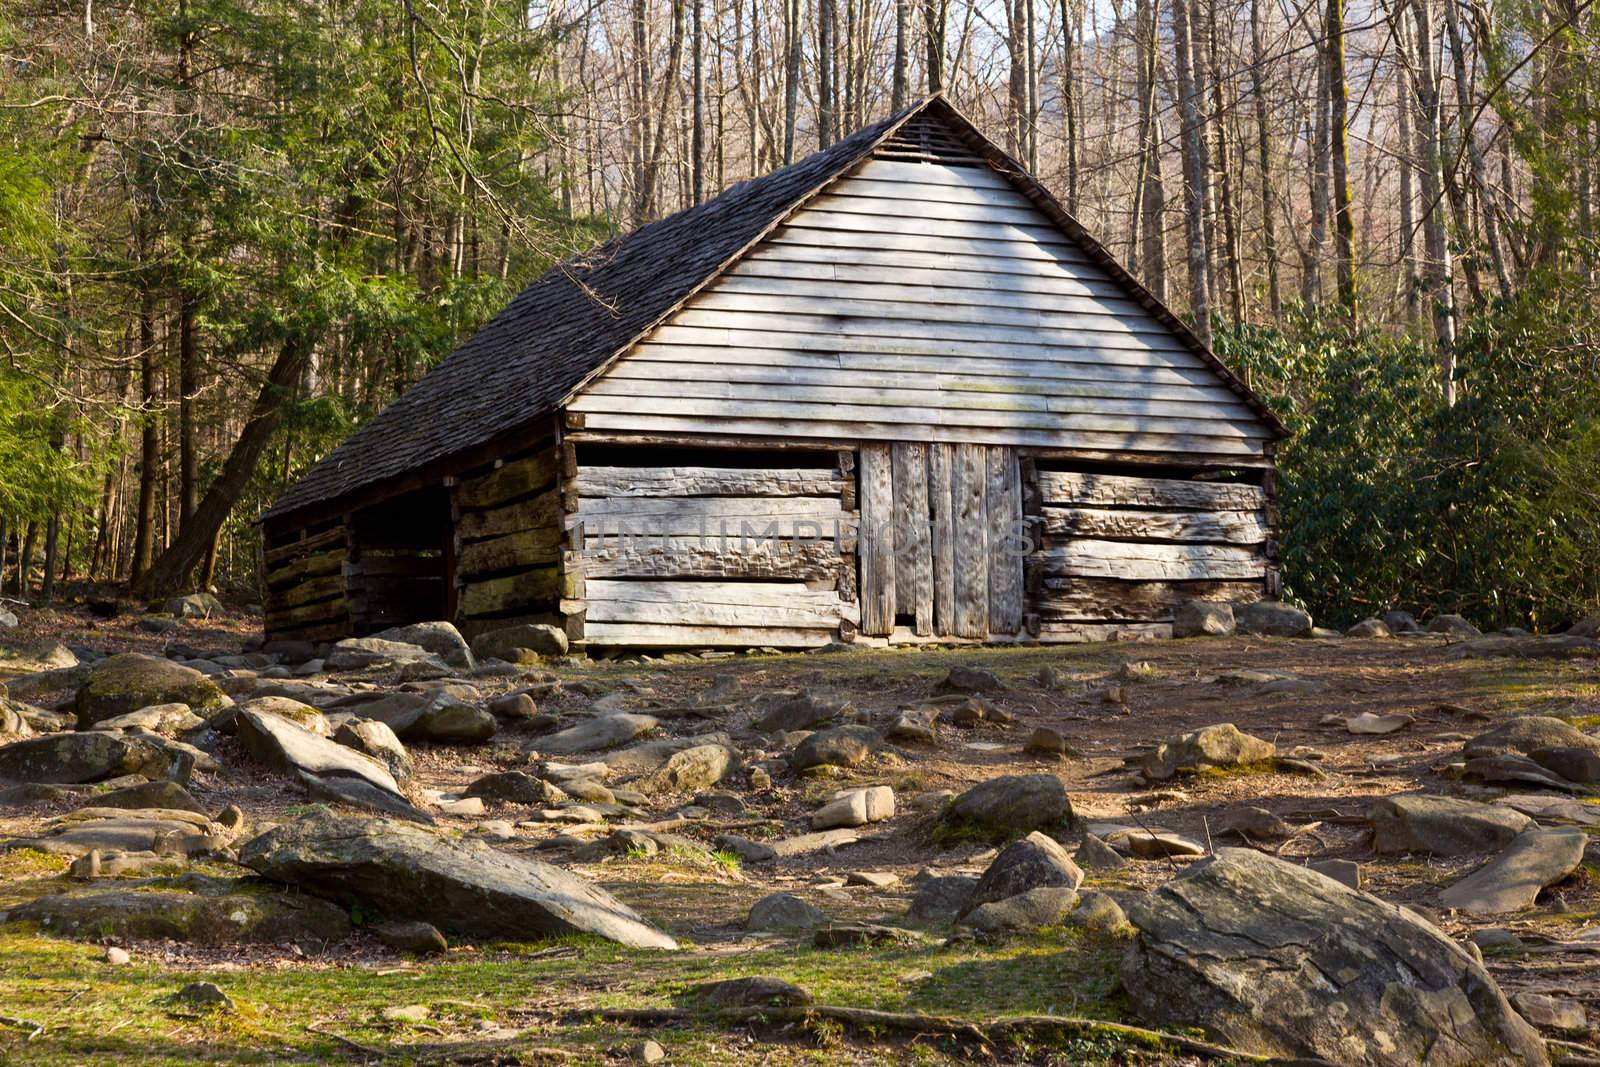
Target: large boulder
[(1275, 959), (800, 711), (1528, 733), (465, 887), (373, 738), (520, 642), (1272, 618), (1210, 749), (1203, 618), (84, 756), (1035, 862), (360, 653), (1005, 807), (326, 768), (193, 606), (690, 771), (130, 681), (12, 722), (439, 716), (1453, 626), (440, 638), (1443, 826), (838, 746)]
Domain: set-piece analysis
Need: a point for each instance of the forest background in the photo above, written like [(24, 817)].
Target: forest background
[(231, 230)]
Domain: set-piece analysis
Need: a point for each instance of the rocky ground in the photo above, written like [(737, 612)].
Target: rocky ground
[(411, 851)]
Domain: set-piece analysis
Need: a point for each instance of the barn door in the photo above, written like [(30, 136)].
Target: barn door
[(939, 550)]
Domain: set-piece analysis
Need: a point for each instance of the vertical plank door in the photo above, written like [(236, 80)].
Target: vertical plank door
[(1007, 548), (875, 544), (913, 540)]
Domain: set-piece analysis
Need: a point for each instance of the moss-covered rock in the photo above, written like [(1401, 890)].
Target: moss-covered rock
[(225, 912), (131, 681)]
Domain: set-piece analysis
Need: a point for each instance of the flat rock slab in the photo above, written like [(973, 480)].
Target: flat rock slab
[(1444, 826), (326, 768), (465, 887), (606, 731), (229, 912), (1278, 960), (1552, 809), (1513, 880), (1368, 723), (805, 843), (157, 830)]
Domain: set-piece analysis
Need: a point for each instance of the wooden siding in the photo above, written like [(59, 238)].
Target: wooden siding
[(1119, 550), (923, 303), (700, 555)]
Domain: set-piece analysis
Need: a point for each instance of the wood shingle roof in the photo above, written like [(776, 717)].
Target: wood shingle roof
[(581, 314)]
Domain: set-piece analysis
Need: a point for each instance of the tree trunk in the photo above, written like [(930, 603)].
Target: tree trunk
[(935, 15), (1269, 226), (1232, 269), (1194, 177), (1311, 278), (901, 87), (1437, 273), (1480, 180), (1150, 255), (698, 149), (149, 441), (1339, 140), (1069, 100), (1405, 105), (791, 75), (170, 573), (827, 116)]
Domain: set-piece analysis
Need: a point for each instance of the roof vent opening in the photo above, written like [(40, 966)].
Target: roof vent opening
[(927, 140)]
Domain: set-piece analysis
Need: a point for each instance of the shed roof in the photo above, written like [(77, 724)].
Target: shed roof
[(582, 314)]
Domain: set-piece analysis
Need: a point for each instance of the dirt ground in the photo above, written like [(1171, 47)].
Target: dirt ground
[(569, 1001)]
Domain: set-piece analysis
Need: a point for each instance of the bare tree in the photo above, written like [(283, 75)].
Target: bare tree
[(1194, 171)]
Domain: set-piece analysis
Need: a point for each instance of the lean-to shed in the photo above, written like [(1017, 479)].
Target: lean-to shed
[(890, 392)]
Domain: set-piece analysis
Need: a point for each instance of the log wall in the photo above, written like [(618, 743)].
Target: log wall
[(305, 595), (702, 554), (507, 530), (1115, 554)]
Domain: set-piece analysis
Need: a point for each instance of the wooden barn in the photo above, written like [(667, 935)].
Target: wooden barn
[(890, 393)]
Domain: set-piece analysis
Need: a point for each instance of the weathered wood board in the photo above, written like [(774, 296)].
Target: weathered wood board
[(878, 582)]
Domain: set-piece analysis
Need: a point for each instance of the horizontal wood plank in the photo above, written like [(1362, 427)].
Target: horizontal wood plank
[(707, 481), (833, 430), (653, 635), (1112, 490), (1231, 527), (515, 479), (701, 603), (522, 548), (1143, 561), (1077, 633), (711, 367), (1112, 599), (686, 557), (536, 512), (539, 587)]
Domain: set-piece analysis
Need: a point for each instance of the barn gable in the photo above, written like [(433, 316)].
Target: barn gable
[(928, 299)]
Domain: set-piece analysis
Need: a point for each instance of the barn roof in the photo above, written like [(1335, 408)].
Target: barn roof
[(587, 311)]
